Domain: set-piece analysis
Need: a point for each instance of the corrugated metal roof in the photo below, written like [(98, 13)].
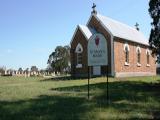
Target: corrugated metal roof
[(121, 30), (85, 30), (117, 29)]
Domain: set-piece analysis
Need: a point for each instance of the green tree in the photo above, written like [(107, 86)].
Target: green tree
[(154, 41), (59, 60), (2, 70), (34, 69), (20, 70)]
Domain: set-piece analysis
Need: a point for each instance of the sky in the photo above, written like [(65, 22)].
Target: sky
[(31, 29)]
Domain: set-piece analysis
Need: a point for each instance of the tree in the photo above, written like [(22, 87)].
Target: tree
[(26, 71), (59, 60), (34, 69), (20, 70), (2, 70), (154, 41)]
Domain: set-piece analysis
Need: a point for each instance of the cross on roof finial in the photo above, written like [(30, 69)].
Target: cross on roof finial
[(137, 26), (94, 9), (94, 6)]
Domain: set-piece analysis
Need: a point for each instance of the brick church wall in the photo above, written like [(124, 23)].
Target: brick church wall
[(79, 38), (132, 69)]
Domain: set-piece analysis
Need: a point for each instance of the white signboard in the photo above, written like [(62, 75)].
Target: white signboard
[(97, 50)]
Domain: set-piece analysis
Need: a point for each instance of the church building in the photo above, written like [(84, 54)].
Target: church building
[(128, 49)]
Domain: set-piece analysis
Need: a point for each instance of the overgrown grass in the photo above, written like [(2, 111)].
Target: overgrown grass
[(66, 99)]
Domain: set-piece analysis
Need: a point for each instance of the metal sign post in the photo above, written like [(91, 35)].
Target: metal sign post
[(107, 88), (88, 80)]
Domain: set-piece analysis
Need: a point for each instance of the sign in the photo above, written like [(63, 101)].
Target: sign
[(97, 50)]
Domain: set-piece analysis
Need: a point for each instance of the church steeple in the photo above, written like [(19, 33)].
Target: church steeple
[(94, 9)]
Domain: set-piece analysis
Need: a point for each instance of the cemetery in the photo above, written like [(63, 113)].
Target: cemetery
[(33, 72)]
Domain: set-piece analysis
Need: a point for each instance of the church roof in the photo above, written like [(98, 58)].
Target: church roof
[(86, 31), (115, 28), (121, 30)]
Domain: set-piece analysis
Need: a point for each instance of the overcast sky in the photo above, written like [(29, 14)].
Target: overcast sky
[(31, 29)]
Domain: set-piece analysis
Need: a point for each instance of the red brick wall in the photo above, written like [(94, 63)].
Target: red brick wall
[(79, 38), (119, 56)]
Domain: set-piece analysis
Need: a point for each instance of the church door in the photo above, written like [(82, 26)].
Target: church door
[(97, 70)]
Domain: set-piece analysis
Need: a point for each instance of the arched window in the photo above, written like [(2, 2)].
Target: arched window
[(79, 50), (79, 58), (138, 51), (148, 57), (126, 50), (138, 57)]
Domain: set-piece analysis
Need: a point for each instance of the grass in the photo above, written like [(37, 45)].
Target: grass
[(66, 99)]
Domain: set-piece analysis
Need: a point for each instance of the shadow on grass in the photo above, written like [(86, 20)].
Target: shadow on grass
[(125, 97), (119, 89), (63, 78), (67, 78), (45, 108)]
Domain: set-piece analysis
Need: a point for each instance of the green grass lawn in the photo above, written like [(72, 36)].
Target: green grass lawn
[(66, 99)]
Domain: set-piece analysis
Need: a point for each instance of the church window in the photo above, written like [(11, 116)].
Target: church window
[(79, 50), (148, 57), (139, 57), (79, 58), (138, 51), (126, 50)]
